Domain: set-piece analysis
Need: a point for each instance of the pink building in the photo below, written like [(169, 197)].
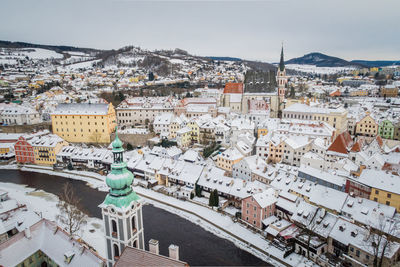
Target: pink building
[(258, 207), (257, 105)]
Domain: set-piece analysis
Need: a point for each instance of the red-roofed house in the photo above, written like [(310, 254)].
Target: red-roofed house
[(341, 146)]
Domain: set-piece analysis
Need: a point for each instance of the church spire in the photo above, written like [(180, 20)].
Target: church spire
[(121, 209), (282, 62), (120, 179)]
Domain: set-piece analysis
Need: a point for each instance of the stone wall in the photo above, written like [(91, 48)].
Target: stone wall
[(134, 139), (26, 128)]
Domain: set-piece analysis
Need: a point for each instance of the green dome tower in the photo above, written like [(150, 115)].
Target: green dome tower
[(121, 209)]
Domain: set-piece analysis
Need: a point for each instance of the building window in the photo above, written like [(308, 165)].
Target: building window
[(376, 191), (114, 228), (116, 251), (388, 203), (389, 195)]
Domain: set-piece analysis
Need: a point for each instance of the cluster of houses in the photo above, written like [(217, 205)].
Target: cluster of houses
[(319, 178)]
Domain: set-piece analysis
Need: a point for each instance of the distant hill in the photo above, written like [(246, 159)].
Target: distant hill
[(377, 63), (56, 48), (225, 58), (321, 60)]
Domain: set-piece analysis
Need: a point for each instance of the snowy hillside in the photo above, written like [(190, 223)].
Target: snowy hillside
[(317, 70)]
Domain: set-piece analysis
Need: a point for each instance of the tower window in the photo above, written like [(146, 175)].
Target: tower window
[(116, 251), (114, 228), (133, 221)]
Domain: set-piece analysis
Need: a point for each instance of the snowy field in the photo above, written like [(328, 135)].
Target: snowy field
[(10, 56), (318, 70), (82, 65), (213, 221)]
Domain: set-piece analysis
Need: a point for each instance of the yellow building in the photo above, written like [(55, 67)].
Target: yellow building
[(84, 122), (389, 91), (359, 92), (389, 198), (262, 132), (45, 148), (183, 137), (334, 116), (228, 158), (275, 151), (383, 187), (194, 131), (176, 124), (367, 126), (6, 150)]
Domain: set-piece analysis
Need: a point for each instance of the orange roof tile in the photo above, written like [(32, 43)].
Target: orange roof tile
[(379, 140), (233, 88), (342, 143)]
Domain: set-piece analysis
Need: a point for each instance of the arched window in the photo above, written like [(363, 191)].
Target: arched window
[(114, 227), (133, 221), (135, 244), (116, 251)]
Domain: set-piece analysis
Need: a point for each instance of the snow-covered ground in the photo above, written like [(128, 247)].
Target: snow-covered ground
[(318, 70), (83, 65), (45, 204), (205, 217)]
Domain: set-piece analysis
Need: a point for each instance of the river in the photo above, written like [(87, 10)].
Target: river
[(196, 245)]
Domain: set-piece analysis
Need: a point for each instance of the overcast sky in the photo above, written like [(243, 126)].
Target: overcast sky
[(351, 29)]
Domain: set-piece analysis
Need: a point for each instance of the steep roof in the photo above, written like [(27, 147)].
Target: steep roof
[(357, 145), (342, 143), (233, 88), (282, 62)]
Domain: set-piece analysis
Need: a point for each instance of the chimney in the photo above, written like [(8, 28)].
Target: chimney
[(173, 252), (27, 233), (153, 246)]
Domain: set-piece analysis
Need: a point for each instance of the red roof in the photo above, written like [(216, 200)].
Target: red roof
[(357, 145), (379, 140), (342, 143), (233, 88)]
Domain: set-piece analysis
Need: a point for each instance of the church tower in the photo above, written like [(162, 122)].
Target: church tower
[(281, 78), (277, 101), (121, 209)]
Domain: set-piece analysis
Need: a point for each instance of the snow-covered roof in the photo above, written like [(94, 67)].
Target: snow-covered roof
[(81, 109), (50, 140), (327, 197), (380, 179), (47, 237)]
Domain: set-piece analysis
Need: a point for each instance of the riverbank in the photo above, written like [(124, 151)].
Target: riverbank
[(212, 221)]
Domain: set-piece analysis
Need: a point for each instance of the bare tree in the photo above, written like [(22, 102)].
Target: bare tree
[(95, 137), (378, 238), (71, 214), (308, 232)]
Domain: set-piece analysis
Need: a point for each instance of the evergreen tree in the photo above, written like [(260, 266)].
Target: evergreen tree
[(129, 147), (216, 198), (211, 199), (292, 92), (70, 167), (151, 76), (198, 190)]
